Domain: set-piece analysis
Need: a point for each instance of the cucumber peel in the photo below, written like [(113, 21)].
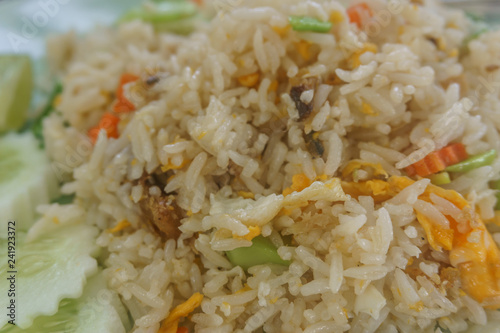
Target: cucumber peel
[(52, 267), (16, 85)]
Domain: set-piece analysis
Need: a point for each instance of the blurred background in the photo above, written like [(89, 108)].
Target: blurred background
[(24, 23)]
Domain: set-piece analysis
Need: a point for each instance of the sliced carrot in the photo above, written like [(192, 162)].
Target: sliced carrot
[(183, 329), (109, 122), (454, 153), (122, 103), (438, 160), (435, 162), (358, 13)]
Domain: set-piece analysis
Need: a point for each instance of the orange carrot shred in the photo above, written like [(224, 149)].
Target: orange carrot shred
[(183, 329), (93, 133), (123, 104), (358, 12), (109, 122), (438, 160)]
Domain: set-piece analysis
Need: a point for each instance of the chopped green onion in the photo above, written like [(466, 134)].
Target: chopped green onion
[(441, 178), (305, 23), (261, 252), (16, 85), (474, 162)]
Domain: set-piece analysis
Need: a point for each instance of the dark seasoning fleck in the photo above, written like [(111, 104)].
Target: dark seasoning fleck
[(304, 109), (153, 79), (298, 87)]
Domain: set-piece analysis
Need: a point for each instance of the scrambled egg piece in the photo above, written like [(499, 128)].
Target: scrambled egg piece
[(254, 231), (171, 166), (473, 252), (119, 226), (171, 323), (299, 182), (358, 164)]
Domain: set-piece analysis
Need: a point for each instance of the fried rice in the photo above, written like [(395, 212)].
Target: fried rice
[(247, 128)]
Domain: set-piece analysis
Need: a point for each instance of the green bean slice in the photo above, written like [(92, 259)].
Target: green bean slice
[(306, 23), (474, 162), (261, 252)]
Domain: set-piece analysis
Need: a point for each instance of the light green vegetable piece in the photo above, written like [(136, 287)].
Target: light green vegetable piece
[(26, 180), (474, 162), (306, 23), (261, 252), (16, 85), (50, 268), (441, 178), (97, 310), (174, 16)]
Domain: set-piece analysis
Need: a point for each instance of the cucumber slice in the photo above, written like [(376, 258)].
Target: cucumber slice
[(16, 85), (26, 180), (51, 267), (98, 310)]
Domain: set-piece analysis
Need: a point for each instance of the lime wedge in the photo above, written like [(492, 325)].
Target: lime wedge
[(16, 84)]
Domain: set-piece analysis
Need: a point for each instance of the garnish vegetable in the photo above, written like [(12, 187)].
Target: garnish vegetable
[(16, 84), (52, 267), (261, 252), (306, 23), (26, 180), (474, 162), (438, 160)]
